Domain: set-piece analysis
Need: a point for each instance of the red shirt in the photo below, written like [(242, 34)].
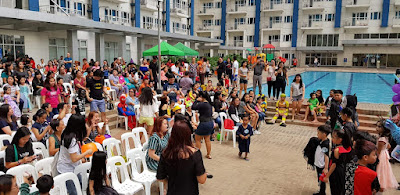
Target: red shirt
[(363, 179)]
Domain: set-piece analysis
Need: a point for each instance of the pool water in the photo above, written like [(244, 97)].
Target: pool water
[(369, 87)]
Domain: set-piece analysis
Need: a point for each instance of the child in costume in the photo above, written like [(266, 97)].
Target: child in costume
[(282, 109), (313, 104), (123, 110), (244, 132)]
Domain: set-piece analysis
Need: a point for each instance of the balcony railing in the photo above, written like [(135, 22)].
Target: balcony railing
[(205, 28), (235, 8), (55, 9), (272, 26), (180, 30), (236, 26), (396, 22), (179, 11), (315, 5), (116, 20), (357, 3), (312, 24), (149, 4), (150, 26), (356, 23), (236, 44), (8, 3)]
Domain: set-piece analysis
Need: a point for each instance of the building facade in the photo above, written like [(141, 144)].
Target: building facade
[(93, 29), (338, 32)]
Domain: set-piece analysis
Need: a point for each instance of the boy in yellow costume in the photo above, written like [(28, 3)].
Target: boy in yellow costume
[(282, 109)]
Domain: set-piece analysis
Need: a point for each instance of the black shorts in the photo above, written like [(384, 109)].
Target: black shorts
[(207, 74), (244, 81)]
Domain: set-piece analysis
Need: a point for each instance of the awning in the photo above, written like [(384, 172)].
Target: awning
[(166, 50), (187, 50)]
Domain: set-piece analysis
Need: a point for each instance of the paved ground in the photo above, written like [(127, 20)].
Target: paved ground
[(276, 165)]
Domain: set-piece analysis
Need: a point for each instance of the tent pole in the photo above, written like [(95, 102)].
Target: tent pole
[(159, 48)]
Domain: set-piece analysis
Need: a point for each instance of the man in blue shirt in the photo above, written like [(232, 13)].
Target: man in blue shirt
[(68, 62), (171, 88)]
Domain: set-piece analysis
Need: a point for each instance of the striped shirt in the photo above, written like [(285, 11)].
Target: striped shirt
[(157, 144)]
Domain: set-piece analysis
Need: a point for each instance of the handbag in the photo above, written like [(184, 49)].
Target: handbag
[(396, 153), (269, 78)]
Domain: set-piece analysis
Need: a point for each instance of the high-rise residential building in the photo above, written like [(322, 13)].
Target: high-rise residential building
[(93, 29), (336, 32)]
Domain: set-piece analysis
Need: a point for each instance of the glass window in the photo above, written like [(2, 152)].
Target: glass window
[(319, 40), (325, 40), (288, 19), (309, 40), (336, 40), (329, 17), (374, 36), (365, 36), (384, 36), (392, 36), (357, 36), (313, 40), (8, 39), (330, 40), (19, 39), (375, 15)]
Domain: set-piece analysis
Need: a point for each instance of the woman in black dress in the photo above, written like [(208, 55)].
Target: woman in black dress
[(281, 79), (229, 69), (206, 126), (181, 164)]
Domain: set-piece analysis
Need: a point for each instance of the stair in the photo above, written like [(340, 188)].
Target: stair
[(367, 118)]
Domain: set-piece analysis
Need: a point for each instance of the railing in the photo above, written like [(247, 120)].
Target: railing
[(273, 25), (150, 26), (357, 2), (149, 3), (356, 22), (116, 20), (235, 26), (7, 3), (180, 30), (179, 11), (205, 28), (312, 24), (235, 8), (55, 9), (236, 44), (314, 5), (396, 21)]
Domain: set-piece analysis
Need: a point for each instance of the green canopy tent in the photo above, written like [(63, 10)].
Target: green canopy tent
[(187, 50), (166, 50)]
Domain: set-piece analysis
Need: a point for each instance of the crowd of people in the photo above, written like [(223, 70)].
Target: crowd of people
[(178, 120)]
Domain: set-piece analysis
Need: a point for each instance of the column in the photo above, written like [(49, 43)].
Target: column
[(257, 24), (73, 44), (338, 13), (137, 13), (192, 17), (223, 22), (140, 48), (99, 44), (34, 5), (167, 15), (385, 13), (122, 47), (95, 10), (295, 22)]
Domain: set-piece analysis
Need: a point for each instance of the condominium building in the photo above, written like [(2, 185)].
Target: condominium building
[(93, 29), (337, 32)]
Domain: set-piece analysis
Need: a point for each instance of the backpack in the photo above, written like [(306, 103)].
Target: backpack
[(228, 124), (309, 151)]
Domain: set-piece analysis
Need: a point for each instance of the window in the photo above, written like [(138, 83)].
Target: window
[(251, 2), (289, 1), (127, 56), (276, 19), (288, 19), (218, 5), (274, 38), (375, 15), (326, 40), (207, 22), (315, 17), (360, 16), (357, 36), (287, 38), (276, 1), (217, 22), (325, 59), (397, 15), (57, 48), (251, 20), (240, 3), (217, 37), (12, 45), (208, 5), (82, 49), (110, 51), (329, 17), (240, 21), (250, 38)]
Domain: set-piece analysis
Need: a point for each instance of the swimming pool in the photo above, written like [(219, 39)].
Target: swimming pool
[(369, 87)]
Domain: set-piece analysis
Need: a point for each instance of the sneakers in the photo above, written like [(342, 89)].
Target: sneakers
[(283, 124), (256, 132)]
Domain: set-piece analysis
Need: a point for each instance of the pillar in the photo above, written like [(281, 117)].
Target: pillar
[(100, 45), (137, 13), (95, 10), (73, 44), (122, 47), (34, 5)]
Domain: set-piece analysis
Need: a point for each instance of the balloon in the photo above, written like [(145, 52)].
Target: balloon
[(88, 146), (107, 136), (100, 139), (396, 88), (218, 136), (396, 98)]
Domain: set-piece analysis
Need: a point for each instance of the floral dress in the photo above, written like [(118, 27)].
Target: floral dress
[(13, 105)]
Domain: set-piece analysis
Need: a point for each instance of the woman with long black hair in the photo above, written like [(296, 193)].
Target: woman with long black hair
[(181, 164), (206, 126), (8, 122), (98, 175), (297, 91), (148, 109), (281, 79), (20, 151)]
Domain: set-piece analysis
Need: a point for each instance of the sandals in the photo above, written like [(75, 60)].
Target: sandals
[(208, 156)]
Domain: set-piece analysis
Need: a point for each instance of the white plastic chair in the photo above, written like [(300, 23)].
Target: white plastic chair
[(107, 127), (72, 95), (38, 100), (109, 144), (137, 131), (126, 186), (43, 166), (146, 177), (83, 169), (40, 147), (19, 171), (99, 146), (125, 139), (223, 116), (111, 91), (137, 113), (3, 138), (60, 187)]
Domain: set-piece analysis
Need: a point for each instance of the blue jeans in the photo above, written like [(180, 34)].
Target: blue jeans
[(98, 105), (261, 116), (218, 121), (71, 186)]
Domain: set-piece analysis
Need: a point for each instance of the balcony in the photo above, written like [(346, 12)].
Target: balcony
[(356, 24), (204, 28), (205, 12), (272, 27), (57, 10), (149, 5), (237, 9), (397, 3), (236, 44), (179, 12), (316, 6), (396, 23), (118, 1), (312, 25), (180, 30), (150, 26), (353, 4), (274, 8), (116, 20), (236, 28), (8, 3)]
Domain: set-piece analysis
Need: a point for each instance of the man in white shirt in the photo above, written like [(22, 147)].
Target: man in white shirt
[(235, 71), (64, 112)]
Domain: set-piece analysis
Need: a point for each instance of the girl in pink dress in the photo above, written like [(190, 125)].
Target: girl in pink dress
[(387, 180)]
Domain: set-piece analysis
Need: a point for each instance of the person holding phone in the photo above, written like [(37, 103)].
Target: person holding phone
[(20, 151)]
